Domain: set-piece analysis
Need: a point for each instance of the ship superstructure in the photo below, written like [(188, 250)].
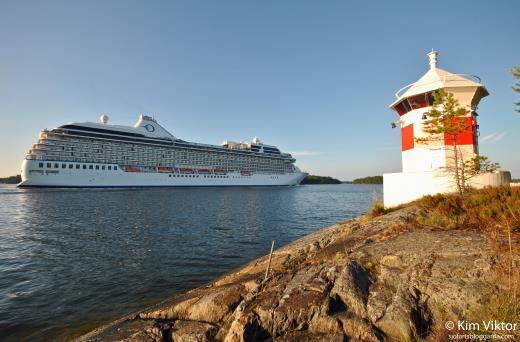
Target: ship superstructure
[(102, 155)]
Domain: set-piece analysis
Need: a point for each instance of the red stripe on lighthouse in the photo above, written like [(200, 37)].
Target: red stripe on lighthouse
[(407, 142), (464, 138)]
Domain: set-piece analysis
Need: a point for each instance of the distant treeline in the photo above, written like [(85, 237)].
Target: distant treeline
[(369, 180), (11, 180), (311, 179)]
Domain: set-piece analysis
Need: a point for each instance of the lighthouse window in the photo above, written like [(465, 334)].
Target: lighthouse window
[(430, 98), (418, 101), (403, 107), (406, 105)]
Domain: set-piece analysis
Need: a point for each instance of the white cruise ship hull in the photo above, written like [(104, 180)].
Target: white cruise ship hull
[(35, 176)]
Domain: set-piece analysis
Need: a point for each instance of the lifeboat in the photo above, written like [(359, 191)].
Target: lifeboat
[(185, 170), (131, 168), (245, 173), (165, 169), (219, 171), (203, 171)]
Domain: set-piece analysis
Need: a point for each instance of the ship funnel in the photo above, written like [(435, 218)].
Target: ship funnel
[(151, 127)]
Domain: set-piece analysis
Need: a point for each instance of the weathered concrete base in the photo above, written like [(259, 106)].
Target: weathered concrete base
[(362, 280), (404, 187)]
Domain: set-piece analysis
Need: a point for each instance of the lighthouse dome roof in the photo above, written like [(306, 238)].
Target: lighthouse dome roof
[(437, 78)]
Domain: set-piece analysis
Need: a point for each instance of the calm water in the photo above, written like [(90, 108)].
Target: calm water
[(73, 259)]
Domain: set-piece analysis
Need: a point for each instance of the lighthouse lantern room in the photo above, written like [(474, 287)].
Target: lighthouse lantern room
[(423, 162)]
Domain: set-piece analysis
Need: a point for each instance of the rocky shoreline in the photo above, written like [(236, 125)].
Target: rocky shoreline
[(367, 279)]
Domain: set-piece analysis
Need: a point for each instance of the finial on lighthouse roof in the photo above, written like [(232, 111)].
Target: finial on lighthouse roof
[(433, 58)]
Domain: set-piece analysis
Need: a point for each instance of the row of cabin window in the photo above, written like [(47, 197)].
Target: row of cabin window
[(197, 176), (97, 167), (78, 166), (414, 102)]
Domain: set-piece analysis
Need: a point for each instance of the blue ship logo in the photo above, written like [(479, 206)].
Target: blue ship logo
[(149, 128)]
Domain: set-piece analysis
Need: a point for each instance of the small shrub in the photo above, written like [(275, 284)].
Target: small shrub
[(377, 210), (477, 209)]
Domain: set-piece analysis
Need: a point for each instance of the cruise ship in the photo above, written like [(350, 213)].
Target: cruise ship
[(146, 155)]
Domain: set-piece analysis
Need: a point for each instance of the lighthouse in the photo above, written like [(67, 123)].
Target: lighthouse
[(423, 162)]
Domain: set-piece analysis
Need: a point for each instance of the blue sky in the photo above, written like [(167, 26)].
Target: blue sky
[(314, 78)]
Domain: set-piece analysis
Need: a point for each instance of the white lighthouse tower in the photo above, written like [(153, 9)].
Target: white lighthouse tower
[(423, 163)]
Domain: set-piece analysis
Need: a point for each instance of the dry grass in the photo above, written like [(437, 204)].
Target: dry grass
[(377, 210)]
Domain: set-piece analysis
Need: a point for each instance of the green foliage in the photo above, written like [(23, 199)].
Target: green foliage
[(479, 164), (516, 87), (369, 180), (311, 179), (11, 180)]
